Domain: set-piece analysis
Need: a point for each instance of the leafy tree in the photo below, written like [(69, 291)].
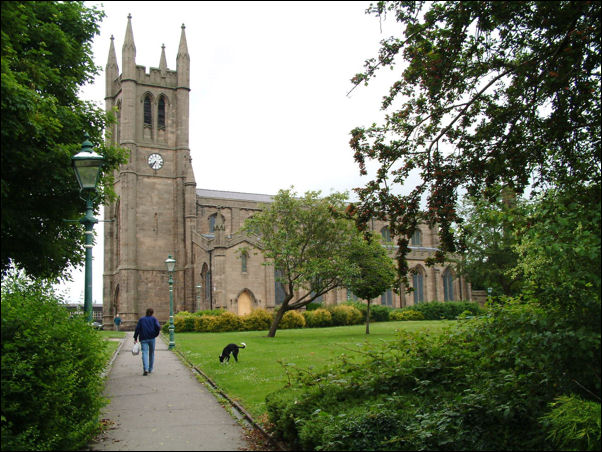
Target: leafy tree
[(308, 240), (488, 236), (46, 58), (559, 254), (489, 93), (377, 272)]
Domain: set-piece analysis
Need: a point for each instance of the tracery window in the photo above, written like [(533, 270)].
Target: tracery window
[(387, 298), (386, 234), (278, 287), (417, 238), (418, 284), (448, 285)]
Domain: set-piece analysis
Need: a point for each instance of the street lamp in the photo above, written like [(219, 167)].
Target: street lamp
[(171, 265), (87, 166)]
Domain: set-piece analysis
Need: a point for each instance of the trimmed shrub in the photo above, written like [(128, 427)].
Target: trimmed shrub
[(345, 315), (408, 314), (214, 312), (361, 307), (183, 322), (51, 371), (257, 320), (313, 306), (292, 319), (228, 321), (318, 318), (379, 313), (205, 323), (449, 310)]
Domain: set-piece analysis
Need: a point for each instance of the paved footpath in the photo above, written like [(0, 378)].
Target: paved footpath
[(166, 410)]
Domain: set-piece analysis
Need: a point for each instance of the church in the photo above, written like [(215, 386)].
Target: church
[(160, 212)]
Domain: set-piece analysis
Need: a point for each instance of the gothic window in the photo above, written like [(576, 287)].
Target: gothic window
[(448, 285), (161, 113), (387, 298), (118, 125), (386, 234), (351, 296), (417, 238), (207, 285), (278, 287), (418, 284), (243, 257), (148, 117), (212, 223)]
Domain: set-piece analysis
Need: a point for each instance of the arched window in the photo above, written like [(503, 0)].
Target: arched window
[(212, 223), (118, 124), (161, 113), (387, 298), (418, 284), (386, 234), (243, 258), (279, 293), (148, 116), (417, 238), (448, 285), (207, 284)]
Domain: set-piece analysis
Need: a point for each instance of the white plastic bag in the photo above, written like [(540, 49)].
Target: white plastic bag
[(136, 348)]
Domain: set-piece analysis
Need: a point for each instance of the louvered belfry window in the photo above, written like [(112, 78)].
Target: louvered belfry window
[(148, 117), (161, 113)]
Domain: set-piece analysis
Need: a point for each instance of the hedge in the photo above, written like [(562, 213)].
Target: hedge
[(351, 313), (51, 371)]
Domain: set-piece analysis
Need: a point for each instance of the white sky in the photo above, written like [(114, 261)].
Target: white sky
[(269, 83)]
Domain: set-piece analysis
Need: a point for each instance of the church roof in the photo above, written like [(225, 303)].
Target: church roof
[(233, 195)]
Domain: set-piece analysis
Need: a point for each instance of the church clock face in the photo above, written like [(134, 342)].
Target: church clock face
[(155, 161)]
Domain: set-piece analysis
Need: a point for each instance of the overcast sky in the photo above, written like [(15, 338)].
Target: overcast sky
[(269, 82)]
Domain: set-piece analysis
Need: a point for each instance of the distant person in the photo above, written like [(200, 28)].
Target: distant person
[(147, 329), (117, 321)]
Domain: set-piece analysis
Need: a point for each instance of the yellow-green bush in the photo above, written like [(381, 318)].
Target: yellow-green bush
[(228, 321), (345, 315), (406, 315), (183, 321), (257, 320), (204, 323), (319, 317), (292, 319)]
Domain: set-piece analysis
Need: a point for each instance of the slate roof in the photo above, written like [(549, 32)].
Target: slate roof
[(233, 195)]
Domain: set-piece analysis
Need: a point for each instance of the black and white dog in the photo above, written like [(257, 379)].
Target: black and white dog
[(231, 348)]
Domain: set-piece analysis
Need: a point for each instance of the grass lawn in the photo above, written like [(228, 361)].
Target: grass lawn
[(111, 344), (259, 372)]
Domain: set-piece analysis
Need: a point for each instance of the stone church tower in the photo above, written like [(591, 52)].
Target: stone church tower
[(154, 213)]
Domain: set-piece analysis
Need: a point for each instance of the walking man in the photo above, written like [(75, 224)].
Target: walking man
[(147, 329)]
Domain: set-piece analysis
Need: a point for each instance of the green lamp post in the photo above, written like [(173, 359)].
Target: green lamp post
[(171, 265), (87, 165)]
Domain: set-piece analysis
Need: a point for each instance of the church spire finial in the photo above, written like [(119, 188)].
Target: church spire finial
[(128, 51), (111, 69), (183, 61), (163, 62)]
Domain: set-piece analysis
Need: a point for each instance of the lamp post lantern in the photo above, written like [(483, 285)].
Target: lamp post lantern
[(171, 265), (198, 296), (87, 165)]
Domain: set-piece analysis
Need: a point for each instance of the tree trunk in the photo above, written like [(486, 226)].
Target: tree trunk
[(276, 321), (368, 318)]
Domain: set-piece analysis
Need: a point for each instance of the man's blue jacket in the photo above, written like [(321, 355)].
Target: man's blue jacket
[(148, 328)]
